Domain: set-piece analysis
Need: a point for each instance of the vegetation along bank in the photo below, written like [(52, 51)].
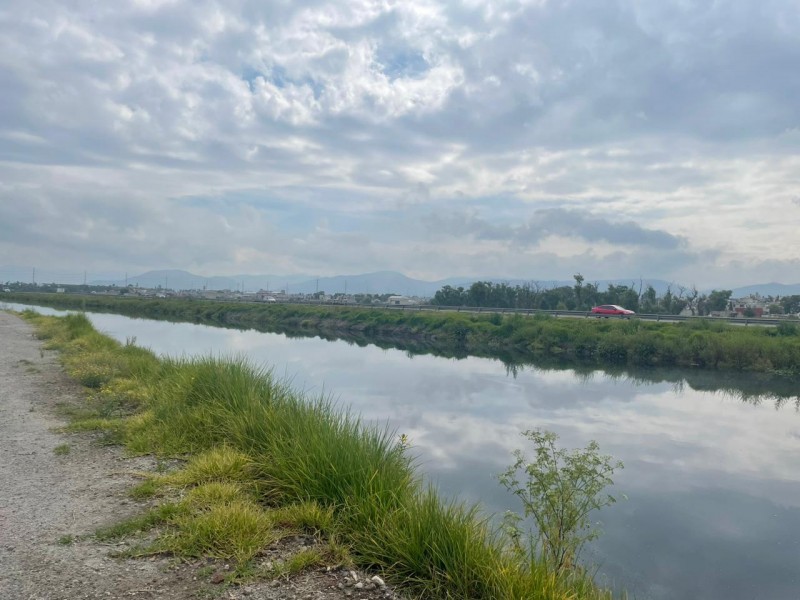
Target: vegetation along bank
[(699, 343), (262, 458)]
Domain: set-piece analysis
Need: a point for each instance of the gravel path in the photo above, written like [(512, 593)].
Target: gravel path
[(51, 502), (56, 489)]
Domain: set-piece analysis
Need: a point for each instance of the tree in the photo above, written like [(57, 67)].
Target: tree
[(558, 489), (791, 304), (775, 309), (449, 296), (528, 295), (718, 299), (648, 303), (578, 291), (691, 299), (479, 293)]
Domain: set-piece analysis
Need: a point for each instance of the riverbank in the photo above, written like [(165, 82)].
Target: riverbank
[(264, 460), (56, 489), (696, 344)]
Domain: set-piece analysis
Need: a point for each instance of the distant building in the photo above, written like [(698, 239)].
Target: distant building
[(264, 296), (399, 301), (755, 303)]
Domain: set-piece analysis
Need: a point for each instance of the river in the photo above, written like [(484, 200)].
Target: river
[(712, 483)]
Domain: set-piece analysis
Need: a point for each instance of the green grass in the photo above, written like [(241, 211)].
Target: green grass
[(699, 344), (230, 530), (61, 450), (146, 489), (164, 513), (265, 461)]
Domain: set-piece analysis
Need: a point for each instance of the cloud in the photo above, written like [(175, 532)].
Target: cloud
[(558, 222), (625, 126)]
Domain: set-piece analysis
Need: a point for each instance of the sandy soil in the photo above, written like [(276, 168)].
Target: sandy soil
[(51, 501)]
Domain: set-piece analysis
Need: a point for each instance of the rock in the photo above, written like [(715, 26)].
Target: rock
[(378, 581), (218, 577)]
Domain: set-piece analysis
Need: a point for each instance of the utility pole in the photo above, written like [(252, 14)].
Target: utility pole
[(33, 277), (84, 277), (126, 279)]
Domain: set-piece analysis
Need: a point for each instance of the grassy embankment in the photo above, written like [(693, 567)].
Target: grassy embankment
[(701, 343), (264, 461)]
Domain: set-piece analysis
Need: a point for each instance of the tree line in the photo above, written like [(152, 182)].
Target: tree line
[(583, 296)]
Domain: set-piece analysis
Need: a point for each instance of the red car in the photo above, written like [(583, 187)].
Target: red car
[(611, 309)]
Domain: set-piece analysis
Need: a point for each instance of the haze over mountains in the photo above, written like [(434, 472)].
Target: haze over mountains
[(379, 282)]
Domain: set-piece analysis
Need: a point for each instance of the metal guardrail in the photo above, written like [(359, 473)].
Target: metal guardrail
[(581, 313)]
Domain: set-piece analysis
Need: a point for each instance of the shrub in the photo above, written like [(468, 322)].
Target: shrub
[(558, 489)]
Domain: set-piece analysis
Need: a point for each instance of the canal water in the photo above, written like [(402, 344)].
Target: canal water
[(712, 482)]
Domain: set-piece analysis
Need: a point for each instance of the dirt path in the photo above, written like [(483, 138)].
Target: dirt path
[(56, 489)]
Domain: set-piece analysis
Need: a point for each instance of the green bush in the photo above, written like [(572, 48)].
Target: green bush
[(558, 489)]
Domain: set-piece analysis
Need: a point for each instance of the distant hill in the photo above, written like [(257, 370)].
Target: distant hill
[(184, 280), (767, 289), (379, 282)]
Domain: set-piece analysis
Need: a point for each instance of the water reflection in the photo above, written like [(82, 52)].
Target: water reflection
[(713, 482)]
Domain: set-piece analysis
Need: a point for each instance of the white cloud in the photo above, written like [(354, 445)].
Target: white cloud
[(362, 112)]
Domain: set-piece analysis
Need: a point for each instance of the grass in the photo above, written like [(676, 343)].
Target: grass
[(264, 462), (164, 513), (700, 344), (61, 450)]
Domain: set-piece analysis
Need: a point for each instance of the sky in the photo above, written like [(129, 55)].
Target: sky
[(522, 139)]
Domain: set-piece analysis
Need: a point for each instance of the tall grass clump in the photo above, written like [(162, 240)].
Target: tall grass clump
[(261, 457), (194, 403), (312, 452)]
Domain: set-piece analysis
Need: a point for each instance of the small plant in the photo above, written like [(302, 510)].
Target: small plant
[(206, 571), (61, 450), (141, 523), (66, 540), (146, 489), (309, 557), (559, 489)]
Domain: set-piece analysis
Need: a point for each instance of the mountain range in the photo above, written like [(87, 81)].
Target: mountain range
[(379, 282), (382, 282)]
